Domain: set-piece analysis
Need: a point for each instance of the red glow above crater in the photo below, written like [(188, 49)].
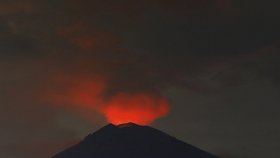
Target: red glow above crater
[(85, 94), (141, 109)]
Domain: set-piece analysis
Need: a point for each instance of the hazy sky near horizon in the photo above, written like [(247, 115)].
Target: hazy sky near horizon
[(216, 61)]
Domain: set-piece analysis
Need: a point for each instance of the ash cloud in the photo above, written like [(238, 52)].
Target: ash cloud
[(214, 60)]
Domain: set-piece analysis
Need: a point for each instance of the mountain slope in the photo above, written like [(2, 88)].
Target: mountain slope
[(132, 141)]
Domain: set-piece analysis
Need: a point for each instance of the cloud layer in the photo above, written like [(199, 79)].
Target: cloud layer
[(217, 62)]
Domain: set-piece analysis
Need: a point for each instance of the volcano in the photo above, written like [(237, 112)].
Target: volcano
[(131, 141)]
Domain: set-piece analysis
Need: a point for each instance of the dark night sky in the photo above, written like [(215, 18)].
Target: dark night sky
[(217, 61)]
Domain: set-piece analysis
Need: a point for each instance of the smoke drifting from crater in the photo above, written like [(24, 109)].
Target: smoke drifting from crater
[(139, 108), (90, 93)]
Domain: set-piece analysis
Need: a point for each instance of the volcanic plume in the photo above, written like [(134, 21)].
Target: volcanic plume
[(138, 108), (90, 93)]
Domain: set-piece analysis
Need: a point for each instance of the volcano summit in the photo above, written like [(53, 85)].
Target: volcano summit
[(131, 141)]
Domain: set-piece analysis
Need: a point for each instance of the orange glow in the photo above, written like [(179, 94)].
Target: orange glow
[(141, 109), (85, 94)]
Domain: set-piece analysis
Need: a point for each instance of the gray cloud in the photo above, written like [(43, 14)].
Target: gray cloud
[(217, 62)]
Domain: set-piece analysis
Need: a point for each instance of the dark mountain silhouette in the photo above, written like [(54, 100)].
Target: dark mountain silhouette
[(131, 141)]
